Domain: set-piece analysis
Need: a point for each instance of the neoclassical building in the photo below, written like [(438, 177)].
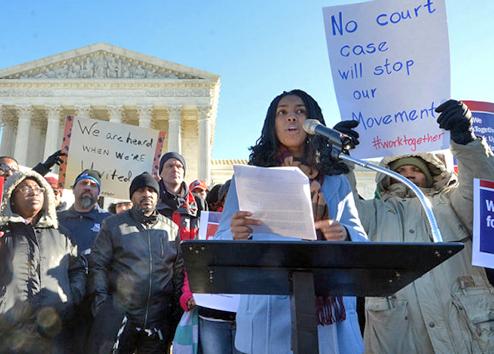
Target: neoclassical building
[(105, 82)]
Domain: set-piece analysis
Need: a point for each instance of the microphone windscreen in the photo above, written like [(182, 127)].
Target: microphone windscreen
[(310, 126)]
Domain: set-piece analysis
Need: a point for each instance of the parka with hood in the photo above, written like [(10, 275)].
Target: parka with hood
[(451, 308), (41, 277)]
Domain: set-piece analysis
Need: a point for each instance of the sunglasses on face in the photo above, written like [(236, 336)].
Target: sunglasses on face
[(4, 169)]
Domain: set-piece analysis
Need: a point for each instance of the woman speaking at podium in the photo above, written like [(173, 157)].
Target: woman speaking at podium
[(264, 321)]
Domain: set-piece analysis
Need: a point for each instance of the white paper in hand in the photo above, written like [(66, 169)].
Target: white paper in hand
[(279, 197)]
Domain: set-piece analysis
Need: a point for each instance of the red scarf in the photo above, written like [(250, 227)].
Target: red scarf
[(185, 218)]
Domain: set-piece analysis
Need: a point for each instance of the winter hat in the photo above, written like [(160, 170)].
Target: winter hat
[(52, 181), (171, 155), (143, 180), (414, 161), (198, 184), (92, 175)]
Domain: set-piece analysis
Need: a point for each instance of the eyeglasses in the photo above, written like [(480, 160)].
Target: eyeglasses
[(31, 190), (5, 169)]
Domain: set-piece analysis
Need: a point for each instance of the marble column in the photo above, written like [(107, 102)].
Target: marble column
[(204, 143), (3, 124), (145, 115), (175, 129), (8, 134), (24, 113), (83, 111), (116, 112), (52, 130), (37, 136)]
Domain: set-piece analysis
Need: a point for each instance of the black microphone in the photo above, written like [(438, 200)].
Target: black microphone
[(314, 127)]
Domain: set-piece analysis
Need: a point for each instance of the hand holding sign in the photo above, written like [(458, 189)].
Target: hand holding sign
[(390, 68), (117, 151), (457, 118)]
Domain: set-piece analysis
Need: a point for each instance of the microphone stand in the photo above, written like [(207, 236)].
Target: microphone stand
[(336, 152)]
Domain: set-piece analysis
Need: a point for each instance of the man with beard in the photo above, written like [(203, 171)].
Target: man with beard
[(136, 274), (83, 220)]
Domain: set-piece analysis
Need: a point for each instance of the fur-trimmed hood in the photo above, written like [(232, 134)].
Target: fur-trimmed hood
[(48, 212), (442, 178)]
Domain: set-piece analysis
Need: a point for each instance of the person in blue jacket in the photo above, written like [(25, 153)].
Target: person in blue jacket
[(264, 322)]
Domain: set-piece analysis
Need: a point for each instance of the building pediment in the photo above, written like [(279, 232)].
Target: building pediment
[(102, 61)]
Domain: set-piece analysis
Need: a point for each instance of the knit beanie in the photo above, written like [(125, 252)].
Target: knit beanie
[(143, 180), (414, 161), (92, 175), (171, 155)]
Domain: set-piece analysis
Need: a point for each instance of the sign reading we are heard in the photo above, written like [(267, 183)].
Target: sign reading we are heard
[(118, 151), (390, 68)]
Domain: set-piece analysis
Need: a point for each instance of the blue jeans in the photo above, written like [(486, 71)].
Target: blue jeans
[(217, 337)]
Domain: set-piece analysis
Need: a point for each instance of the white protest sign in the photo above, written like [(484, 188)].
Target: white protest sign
[(390, 67), (483, 223), (118, 151)]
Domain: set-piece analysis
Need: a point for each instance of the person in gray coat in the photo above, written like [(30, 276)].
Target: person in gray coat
[(449, 309)]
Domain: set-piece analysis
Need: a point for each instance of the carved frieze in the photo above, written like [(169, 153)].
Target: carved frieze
[(101, 65)]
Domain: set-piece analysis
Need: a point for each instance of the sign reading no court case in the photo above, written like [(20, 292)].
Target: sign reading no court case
[(118, 151), (390, 68)]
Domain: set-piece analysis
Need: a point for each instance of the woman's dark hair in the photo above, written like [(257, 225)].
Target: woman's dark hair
[(317, 152), (212, 198)]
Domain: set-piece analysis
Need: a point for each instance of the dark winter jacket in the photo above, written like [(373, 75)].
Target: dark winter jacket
[(137, 261), (182, 209), (40, 272), (83, 227)]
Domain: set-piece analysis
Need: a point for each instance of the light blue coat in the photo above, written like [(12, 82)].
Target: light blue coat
[(264, 321)]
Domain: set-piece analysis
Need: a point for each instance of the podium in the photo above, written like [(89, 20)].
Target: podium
[(305, 269)]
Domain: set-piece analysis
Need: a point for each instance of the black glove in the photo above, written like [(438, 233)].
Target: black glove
[(457, 118), (55, 159), (351, 136)]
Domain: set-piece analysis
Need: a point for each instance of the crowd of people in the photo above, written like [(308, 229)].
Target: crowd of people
[(81, 279)]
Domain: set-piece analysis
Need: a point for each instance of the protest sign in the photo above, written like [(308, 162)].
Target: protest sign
[(208, 225), (390, 68), (483, 120), (483, 223), (118, 151)]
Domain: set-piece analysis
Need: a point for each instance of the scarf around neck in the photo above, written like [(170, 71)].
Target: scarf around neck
[(329, 309), (184, 202)]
